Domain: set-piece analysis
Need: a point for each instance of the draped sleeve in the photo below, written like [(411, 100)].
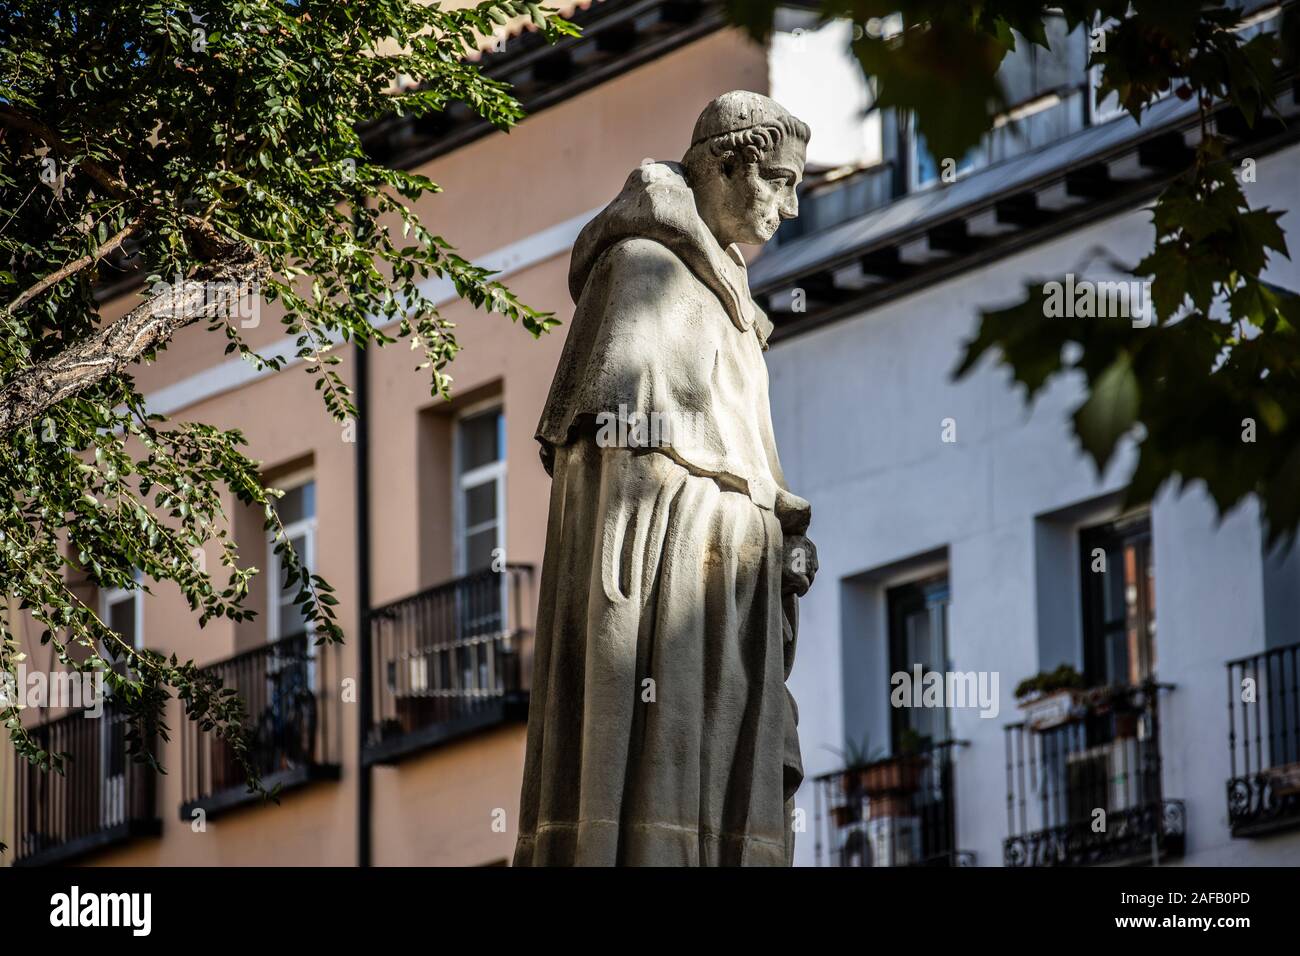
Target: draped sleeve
[(651, 344)]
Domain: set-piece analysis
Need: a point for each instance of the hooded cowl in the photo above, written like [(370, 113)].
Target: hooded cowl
[(679, 350), (660, 730)]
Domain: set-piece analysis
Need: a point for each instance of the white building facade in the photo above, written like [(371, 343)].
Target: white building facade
[(964, 533)]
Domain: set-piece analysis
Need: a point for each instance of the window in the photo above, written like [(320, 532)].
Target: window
[(1042, 90), (813, 72), (480, 464), (480, 459), (927, 169), (1119, 608), (298, 515), (122, 610), (290, 675), (1101, 110), (918, 636)]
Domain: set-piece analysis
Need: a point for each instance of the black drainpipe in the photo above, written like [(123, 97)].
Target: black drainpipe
[(361, 400)]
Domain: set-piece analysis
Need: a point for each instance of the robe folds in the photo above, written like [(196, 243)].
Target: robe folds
[(660, 729)]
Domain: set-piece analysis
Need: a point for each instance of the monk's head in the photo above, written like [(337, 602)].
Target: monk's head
[(745, 162)]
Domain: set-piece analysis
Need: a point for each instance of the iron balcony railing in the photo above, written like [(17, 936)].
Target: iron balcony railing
[(449, 660), (1085, 788), (1264, 741), (102, 797), (893, 812), (292, 726)]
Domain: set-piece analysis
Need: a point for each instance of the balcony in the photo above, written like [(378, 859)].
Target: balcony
[(1264, 742), (893, 812), (1085, 789), (102, 798), (448, 662), (293, 727)]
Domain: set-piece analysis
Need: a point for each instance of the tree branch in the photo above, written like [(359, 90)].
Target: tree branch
[(73, 267), (230, 270), (19, 120), (210, 292)]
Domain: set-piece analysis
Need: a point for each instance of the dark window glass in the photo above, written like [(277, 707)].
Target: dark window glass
[(292, 621), (479, 547), (298, 503), (481, 504), (918, 635), (121, 618), (482, 440), (1119, 608)]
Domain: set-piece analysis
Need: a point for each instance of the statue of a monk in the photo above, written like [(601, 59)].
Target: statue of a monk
[(660, 730)]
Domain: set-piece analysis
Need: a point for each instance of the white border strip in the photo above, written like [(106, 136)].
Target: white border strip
[(234, 373)]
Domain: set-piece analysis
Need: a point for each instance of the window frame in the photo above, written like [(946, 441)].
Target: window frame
[(112, 784), (1117, 533), (923, 593), (494, 471), (303, 526), (112, 596)]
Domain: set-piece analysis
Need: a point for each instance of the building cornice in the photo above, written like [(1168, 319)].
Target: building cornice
[(616, 38), (930, 236)]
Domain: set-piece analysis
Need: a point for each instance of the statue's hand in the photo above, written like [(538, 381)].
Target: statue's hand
[(799, 564)]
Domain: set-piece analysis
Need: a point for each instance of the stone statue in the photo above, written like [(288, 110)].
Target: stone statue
[(661, 731)]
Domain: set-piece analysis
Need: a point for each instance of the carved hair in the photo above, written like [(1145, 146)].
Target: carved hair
[(745, 146)]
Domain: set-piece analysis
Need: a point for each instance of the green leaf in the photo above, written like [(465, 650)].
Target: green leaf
[(1109, 412)]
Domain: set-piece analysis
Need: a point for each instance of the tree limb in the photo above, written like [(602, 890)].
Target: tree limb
[(73, 267), (230, 270), (210, 292), (20, 120)]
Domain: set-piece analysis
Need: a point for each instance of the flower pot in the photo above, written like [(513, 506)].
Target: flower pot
[(889, 805), (897, 775), (1051, 709)]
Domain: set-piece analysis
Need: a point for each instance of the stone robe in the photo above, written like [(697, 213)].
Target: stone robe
[(660, 730)]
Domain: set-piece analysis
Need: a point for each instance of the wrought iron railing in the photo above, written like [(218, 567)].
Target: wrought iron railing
[(102, 796), (894, 812), (1085, 788), (449, 660), (1264, 741), (292, 725)]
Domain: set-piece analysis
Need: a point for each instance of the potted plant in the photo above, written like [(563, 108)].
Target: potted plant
[(857, 757), (1050, 698), (891, 782)]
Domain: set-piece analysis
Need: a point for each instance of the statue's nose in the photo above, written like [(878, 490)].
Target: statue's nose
[(790, 207)]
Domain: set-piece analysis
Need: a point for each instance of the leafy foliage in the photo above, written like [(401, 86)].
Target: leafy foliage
[(1065, 677), (1221, 359), (215, 144)]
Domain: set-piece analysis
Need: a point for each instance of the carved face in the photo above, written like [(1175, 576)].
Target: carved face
[(747, 205)]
